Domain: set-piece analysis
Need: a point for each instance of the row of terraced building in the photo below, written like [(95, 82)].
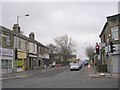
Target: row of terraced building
[(31, 54)]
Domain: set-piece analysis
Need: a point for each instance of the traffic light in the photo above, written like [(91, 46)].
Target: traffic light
[(97, 49), (112, 47), (16, 55)]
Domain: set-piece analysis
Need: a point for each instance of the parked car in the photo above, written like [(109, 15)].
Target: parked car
[(74, 66), (70, 63), (81, 64), (86, 62)]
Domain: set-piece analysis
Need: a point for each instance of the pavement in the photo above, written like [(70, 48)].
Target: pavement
[(93, 74), (23, 74)]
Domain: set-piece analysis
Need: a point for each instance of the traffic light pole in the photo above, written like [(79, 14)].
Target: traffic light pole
[(109, 57), (94, 62), (14, 69)]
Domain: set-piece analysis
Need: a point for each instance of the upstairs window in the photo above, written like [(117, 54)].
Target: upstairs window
[(34, 47), (114, 32), (8, 40), (19, 43)]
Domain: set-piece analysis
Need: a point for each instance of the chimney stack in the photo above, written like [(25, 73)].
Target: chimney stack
[(32, 36), (16, 28)]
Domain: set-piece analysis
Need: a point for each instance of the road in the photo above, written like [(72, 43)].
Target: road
[(61, 78)]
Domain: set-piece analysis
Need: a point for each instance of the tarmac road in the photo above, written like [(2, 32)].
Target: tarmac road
[(61, 78)]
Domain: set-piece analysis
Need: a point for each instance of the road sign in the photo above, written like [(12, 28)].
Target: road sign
[(102, 44)]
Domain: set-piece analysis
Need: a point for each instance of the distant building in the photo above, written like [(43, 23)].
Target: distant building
[(111, 33), (72, 58), (59, 58), (56, 57), (43, 55)]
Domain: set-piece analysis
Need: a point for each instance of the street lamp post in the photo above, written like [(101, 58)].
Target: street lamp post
[(21, 16), (15, 66)]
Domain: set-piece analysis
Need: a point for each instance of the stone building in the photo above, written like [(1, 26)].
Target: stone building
[(6, 50), (28, 51), (111, 33)]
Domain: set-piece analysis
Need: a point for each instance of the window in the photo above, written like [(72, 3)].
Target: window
[(19, 43), (114, 32), (6, 64), (33, 47), (8, 40)]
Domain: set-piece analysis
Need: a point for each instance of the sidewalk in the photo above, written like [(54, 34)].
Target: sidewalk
[(93, 74), (28, 73), (19, 74)]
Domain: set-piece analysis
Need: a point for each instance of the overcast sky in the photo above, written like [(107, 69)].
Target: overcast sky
[(82, 21)]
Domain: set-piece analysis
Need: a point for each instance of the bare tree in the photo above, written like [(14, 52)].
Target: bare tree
[(65, 45), (52, 48), (89, 51)]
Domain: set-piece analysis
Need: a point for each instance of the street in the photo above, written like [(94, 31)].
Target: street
[(61, 78)]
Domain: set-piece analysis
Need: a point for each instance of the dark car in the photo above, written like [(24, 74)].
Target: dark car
[(85, 62)]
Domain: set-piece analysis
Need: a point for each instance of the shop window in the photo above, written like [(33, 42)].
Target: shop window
[(2, 63), (19, 63), (6, 64), (9, 64)]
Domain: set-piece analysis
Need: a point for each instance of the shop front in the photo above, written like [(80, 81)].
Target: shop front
[(6, 61), (21, 61), (32, 61)]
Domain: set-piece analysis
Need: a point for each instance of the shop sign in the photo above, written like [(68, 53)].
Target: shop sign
[(6, 52), (21, 55), (30, 55), (102, 44)]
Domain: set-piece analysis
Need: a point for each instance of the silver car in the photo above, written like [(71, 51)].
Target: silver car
[(74, 66)]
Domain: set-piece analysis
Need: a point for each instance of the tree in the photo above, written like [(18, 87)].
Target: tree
[(65, 46), (52, 48), (89, 51)]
